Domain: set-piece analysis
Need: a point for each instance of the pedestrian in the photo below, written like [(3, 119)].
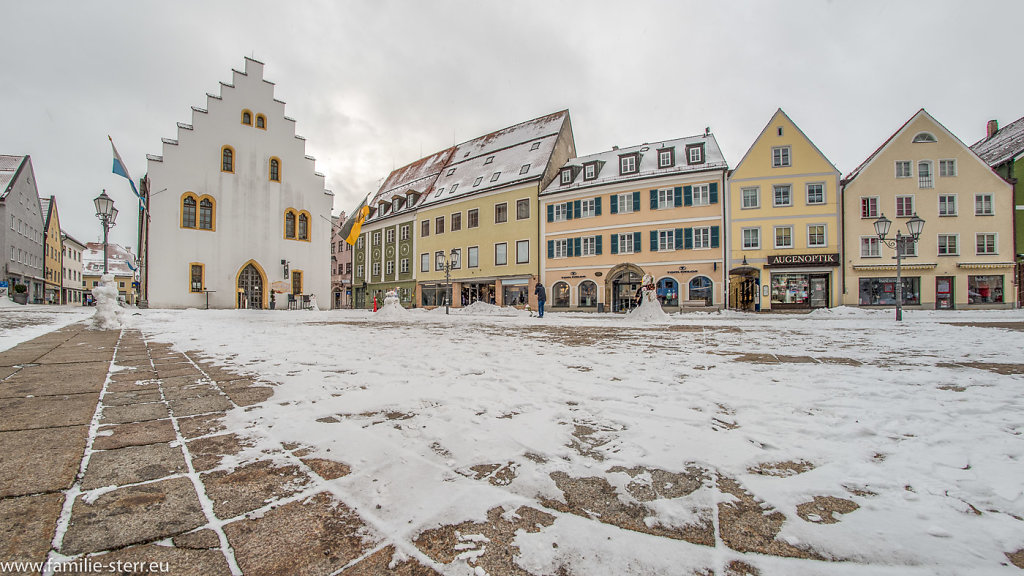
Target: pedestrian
[(542, 296)]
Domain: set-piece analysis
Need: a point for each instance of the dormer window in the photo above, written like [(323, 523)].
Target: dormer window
[(454, 187), (566, 176), (629, 163), (925, 137), (524, 169), (535, 146), (695, 153), (666, 157), (439, 192), (478, 180), (495, 176), (589, 171), (450, 172), (489, 160)]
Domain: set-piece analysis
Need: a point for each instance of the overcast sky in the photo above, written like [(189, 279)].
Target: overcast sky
[(375, 85)]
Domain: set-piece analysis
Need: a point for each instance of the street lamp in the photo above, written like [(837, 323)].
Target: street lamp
[(107, 214), (915, 225), (447, 265)]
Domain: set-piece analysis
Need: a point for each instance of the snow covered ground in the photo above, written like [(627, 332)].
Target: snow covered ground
[(19, 323), (893, 448)]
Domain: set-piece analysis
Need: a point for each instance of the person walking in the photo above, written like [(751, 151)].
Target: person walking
[(542, 296)]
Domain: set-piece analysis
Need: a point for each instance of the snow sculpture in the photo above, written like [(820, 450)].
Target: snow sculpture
[(649, 309), (391, 309), (312, 303), (107, 308)]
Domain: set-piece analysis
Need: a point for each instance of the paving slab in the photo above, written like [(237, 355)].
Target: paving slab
[(134, 413), (47, 411), (133, 464), (201, 405), (132, 515), (208, 452), (26, 526), (133, 375), (42, 460), (142, 396), (23, 354), (252, 486), (55, 380), (382, 562), (152, 560), (250, 396), (202, 425), (113, 436)]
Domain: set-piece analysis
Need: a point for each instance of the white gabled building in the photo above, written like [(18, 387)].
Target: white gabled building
[(238, 213)]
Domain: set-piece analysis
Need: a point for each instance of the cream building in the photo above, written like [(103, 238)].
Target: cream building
[(965, 255), (239, 216), (71, 270)]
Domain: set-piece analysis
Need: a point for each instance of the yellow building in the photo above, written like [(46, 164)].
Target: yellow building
[(53, 249), (613, 217), (481, 215), (784, 220), (965, 255), (120, 262)]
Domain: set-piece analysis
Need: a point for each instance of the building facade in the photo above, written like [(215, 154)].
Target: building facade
[(610, 218), (53, 251), (120, 262), (784, 220), (72, 283), (341, 266), (965, 255), (22, 228), (239, 216)]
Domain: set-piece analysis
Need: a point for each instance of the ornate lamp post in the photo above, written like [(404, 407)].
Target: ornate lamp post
[(107, 214), (914, 226), (447, 265)]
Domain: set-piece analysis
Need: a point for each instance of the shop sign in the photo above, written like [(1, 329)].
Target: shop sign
[(683, 270), (573, 276), (804, 260)]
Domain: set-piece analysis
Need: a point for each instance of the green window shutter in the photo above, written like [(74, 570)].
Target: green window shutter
[(637, 240), (687, 195), (614, 208), (636, 200), (597, 207), (576, 251), (679, 238), (714, 193), (568, 210), (678, 196), (576, 209), (551, 212), (551, 248), (597, 244), (615, 241), (654, 199), (714, 236), (688, 238), (654, 240)]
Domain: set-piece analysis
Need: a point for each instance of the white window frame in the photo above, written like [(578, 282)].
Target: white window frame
[(956, 244), (824, 236), (359, 271), (775, 195), (589, 172), (807, 190), (624, 200), (520, 252), (404, 267), (666, 198), (775, 237), (561, 212), (700, 195), (566, 177), (944, 168), (695, 156), (989, 202), (702, 238), (404, 234), (666, 240), (473, 257), (751, 243), (588, 246), (456, 260), (425, 262), (561, 248), (376, 269), (947, 197), (504, 256), (925, 180), (588, 208), (389, 267), (873, 200), (904, 168), (903, 213), (743, 197), (782, 156), (627, 165), (995, 243), (389, 235), (664, 158), (624, 240), (873, 247)]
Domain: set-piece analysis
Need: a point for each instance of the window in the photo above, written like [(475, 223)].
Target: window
[(405, 266), (947, 205), (495, 176), (478, 180), (751, 197), (359, 242), (947, 168), (986, 243), (389, 235), (261, 121), (188, 212), (196, 274), (666, 158), (869, 207), (439, 260), (206, 214), (453, 188), (376, 238), (246, 117), (695, 154), (450, 172), (783, 236), (948, 245), (904, 206), (560, 248), (589, 171), (702, 237), (439, 225), (535, 146), (424, 228), (424, 262), (588, 246), (816, 193), (275, 170), (627, 164), (456, 222), (389, 267), (456, 258), (924, 137), (522, 252), (473, 257), (559, 212), (666, 240), (560, 294), (501, 213), (701, 194), (904, 169), (227, 159), (289, 224), (625, 244), (869, 247), (524, 169), (303, 226), (522, 209), (780, 156), (983, 205), (751, 238), (405, 232), (296, 282), (567, 176), (500, 254), (816, 236), (359, 271), (489, 160), (439, 192), (984, 289), (588, 294), (924, 174), (472, 218), (783, 195), (625, 203), (666, 198)]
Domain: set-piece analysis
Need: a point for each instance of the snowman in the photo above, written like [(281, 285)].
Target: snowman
[(648, 290)]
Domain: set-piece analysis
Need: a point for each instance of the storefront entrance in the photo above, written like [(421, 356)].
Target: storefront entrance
[(478, 293), (791, 291), (944, 293), (624, 287)]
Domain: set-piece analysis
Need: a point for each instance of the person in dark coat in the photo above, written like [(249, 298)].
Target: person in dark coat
[(542, 296)]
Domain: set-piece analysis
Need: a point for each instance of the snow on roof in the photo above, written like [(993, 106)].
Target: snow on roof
[(1006, 144), (8, 168), (120, 261), (44, 205), (417, 177), (608, 163)]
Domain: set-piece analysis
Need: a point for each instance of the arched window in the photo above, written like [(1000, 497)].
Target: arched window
[(247, 117), (188, 211), (261, 121), (701, 288), (206, 214), (668, 292), (924, 137), (560, 294), (275, 170), (588, 294), (303, 226), (289, 224), (227, 159)]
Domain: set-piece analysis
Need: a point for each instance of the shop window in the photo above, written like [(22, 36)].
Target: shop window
[(668, 292), (560, 295), (984, 289), (588, 294), (790, 289), (701, 288), (882, 291)]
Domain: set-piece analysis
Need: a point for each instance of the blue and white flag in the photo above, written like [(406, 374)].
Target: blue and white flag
[(122, 170)]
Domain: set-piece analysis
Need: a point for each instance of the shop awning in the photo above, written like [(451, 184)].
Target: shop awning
[(892, 267), (744, 271), (984, 265)]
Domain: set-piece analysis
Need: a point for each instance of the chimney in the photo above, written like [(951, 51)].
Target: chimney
[(991, 128), (615, 147)]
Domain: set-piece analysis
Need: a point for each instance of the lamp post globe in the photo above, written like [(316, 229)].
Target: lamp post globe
[(107, 215), (882, 226)]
